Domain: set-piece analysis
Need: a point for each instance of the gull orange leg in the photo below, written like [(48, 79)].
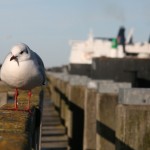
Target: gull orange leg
[(29, 98)]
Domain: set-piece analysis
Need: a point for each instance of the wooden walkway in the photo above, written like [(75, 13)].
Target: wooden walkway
[(54, 135)]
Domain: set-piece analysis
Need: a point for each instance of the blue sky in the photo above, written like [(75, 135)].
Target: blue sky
[(46, 26)]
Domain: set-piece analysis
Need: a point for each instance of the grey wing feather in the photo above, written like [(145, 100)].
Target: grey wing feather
[(42, 68)]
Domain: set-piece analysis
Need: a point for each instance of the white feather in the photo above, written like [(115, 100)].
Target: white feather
[(26, 71)]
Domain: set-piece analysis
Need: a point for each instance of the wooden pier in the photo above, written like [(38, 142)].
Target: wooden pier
[(53, 133), (75, 112)]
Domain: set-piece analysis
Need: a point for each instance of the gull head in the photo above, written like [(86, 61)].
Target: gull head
[(20, 52)]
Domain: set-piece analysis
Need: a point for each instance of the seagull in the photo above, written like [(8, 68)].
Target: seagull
[(23, 69)]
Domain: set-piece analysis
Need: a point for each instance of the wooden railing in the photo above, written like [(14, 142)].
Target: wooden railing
[(101, 114)]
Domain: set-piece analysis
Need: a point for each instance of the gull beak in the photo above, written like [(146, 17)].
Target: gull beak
[(13, 57)]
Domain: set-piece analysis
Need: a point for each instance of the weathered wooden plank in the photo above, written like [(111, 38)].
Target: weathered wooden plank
[(52, 127), (55, 144), (54, 138), (53, 132), (51, 123)]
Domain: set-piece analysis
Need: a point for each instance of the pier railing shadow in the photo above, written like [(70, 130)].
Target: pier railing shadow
[(109, 134), (76, 141)]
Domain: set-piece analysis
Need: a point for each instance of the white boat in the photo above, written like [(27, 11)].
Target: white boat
[(82, 52)]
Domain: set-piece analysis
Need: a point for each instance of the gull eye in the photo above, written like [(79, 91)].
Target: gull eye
[(21, 52)]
